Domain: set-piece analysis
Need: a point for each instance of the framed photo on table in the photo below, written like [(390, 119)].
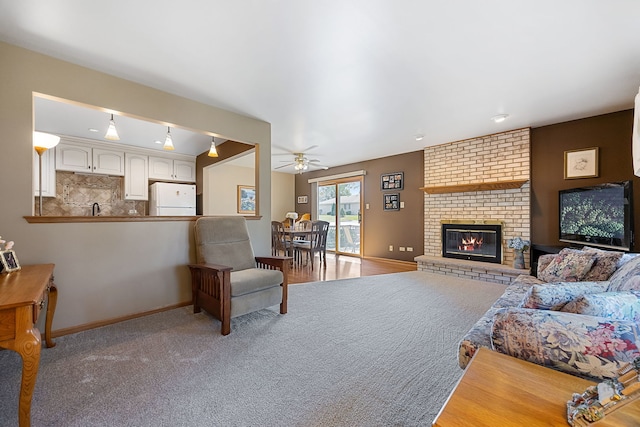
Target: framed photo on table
[(581, 163), (392, 181), (8, 262), (246, 199)]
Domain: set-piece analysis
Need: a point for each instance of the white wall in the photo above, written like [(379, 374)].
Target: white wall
[(220, 187), (107, 270)]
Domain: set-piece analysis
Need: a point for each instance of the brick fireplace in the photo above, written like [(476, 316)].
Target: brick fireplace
[(477, 179)]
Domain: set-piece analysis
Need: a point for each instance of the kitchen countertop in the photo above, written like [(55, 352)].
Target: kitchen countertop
[(126, 218)]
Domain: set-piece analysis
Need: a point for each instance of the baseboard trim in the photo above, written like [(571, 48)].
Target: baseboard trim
[(93, 325), (389, 261)]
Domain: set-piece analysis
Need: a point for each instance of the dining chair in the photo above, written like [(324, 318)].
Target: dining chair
[(317, 242), (279, 241)]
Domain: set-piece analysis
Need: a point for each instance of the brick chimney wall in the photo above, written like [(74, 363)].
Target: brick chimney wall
[(498, 157)]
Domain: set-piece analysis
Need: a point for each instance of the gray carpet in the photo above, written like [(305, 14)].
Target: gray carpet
[(373, 351)]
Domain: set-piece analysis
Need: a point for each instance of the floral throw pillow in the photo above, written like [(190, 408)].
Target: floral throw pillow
[(553, 296), (612, 305), (570, 266), (586, 346), (605, 263), (627, 277)]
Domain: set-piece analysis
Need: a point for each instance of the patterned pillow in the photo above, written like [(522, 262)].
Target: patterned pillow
[(612, 305), (587, 346), (553, 296), (605, 263), (627, 277), (570, 266)]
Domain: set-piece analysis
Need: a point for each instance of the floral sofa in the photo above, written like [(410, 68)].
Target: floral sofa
[(581, 315)]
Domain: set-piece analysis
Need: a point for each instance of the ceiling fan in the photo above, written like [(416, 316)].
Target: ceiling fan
[(301, 162)]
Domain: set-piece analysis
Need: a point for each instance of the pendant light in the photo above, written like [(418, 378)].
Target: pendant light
[(112, 133), (168, 142), (212, 151)]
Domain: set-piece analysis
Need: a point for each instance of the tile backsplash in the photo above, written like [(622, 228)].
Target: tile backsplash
[(76, 194)]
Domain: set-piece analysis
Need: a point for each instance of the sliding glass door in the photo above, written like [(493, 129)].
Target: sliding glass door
[(339, 203)]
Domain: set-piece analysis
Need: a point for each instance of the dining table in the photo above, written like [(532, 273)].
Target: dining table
[(295, 234)]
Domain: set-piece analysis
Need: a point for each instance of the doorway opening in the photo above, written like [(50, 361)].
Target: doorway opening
[(339, 203)]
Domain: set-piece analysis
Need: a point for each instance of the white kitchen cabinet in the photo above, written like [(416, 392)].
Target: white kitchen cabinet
[(48, 173), (74, 158), (136, 177), (108, 162), (166, 169), (83, 158), (184, 170)]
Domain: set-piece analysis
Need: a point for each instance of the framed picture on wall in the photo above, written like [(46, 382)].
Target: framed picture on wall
[(246, 199), (581, 163), (391, 202), (392, 181)]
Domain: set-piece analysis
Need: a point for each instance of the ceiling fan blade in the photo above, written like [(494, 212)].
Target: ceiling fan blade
[(284, 166), (281, 148), (308, 148), (319, 166)]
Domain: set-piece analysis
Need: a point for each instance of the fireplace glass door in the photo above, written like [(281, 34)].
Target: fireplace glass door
[(478, 242)]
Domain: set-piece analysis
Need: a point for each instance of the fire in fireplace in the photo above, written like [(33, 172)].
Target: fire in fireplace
[(478, 242)]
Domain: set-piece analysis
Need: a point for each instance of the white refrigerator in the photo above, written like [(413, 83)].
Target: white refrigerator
[(169, 199)]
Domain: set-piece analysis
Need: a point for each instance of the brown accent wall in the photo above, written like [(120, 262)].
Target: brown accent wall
[(383, 228), (611, 133)]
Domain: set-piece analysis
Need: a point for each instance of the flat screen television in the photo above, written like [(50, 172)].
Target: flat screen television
[(601, 215)]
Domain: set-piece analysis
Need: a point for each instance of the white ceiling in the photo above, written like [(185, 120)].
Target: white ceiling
[(359, 79)]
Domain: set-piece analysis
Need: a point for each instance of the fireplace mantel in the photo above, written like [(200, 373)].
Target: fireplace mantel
[(477, 186)]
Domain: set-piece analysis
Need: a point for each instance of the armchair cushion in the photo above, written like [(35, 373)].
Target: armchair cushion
[(553, 296), (254, 279), (586, 346), (224, 241), (612, 305)]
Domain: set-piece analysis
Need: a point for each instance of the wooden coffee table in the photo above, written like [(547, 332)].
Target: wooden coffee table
[(500, 390)]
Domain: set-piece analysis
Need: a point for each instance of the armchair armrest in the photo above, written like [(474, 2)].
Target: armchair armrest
[(212, 267), (279, 262)]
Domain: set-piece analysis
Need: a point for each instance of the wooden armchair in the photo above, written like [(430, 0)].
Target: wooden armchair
[(228, 280)]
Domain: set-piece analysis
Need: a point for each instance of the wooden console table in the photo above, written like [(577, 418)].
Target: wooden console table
[(500, 390), (22, 296)]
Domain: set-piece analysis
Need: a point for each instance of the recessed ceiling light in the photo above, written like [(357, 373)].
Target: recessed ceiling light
[(93, 130), (500, 118), (158, 142), (419, 137)]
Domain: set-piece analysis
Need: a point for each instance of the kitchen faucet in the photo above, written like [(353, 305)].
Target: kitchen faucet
[(95, 209)]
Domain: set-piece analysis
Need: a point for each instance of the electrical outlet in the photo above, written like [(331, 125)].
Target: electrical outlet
[(401, 248), (366, 206), (409, 249), (401, 205), (390, 248)]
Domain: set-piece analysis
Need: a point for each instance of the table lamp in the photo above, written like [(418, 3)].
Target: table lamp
[(42, 142)]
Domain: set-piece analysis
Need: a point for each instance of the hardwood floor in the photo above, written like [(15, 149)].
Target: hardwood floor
[(344, 267)]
